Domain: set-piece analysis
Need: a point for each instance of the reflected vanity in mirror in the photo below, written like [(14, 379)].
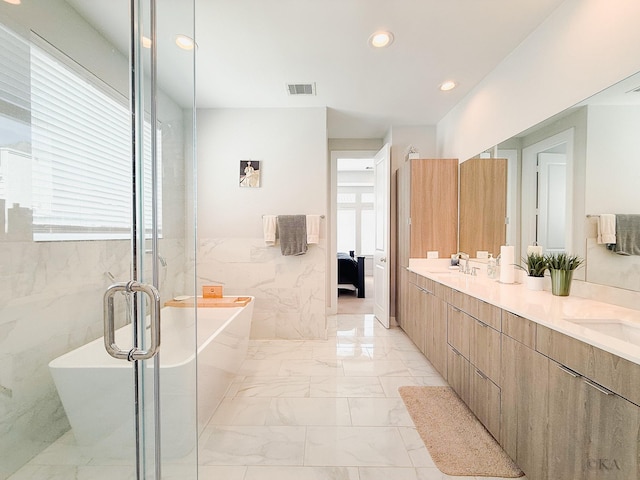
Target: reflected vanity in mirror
[(483, 205), (570, 168)]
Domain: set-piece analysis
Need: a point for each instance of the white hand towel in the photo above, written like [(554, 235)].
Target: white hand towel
[(607, 228), (269, 223), (313, 228)]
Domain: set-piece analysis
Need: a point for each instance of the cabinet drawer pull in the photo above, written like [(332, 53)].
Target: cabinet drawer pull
[(481, 375), (600, 388), (455, 351), (482, 324), (568, 371)]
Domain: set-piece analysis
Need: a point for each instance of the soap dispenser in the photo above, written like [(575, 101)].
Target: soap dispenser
[(492, 266)]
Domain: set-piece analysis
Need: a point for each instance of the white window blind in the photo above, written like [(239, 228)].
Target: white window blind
[(82, 173), (14, 74)]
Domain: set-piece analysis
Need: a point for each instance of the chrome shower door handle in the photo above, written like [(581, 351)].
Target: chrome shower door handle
[(109, 322)]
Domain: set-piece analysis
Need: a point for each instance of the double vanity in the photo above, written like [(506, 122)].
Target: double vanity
[(556, 380)]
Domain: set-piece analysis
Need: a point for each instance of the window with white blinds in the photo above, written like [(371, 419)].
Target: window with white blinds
[(14, 74), (81, 165)]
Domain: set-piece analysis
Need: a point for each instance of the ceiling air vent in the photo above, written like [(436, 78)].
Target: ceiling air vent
[(301, 88)]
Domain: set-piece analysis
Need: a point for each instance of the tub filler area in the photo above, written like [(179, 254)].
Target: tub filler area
[(97, 391)]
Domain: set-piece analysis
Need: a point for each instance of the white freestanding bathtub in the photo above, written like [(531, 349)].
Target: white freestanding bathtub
[(97, 391)]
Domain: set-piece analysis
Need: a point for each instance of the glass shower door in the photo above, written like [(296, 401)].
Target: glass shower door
[(96, 169)]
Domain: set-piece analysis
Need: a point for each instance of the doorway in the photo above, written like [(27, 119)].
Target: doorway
[(353, 189), (547, 183)]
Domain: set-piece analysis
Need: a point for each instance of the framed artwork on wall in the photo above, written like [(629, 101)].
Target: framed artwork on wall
[(250, 173)]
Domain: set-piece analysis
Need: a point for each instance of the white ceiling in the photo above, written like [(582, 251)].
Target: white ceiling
[(248, 50)]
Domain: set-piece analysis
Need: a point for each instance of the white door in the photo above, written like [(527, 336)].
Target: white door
[(552, 183), (382, 206)]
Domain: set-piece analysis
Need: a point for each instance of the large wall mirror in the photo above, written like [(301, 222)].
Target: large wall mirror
[(571, 168)]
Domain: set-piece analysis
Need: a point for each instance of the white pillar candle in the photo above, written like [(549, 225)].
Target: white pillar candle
[(507, 258)]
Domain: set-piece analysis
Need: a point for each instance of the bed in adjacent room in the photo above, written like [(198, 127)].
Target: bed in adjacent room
[(351, 273)]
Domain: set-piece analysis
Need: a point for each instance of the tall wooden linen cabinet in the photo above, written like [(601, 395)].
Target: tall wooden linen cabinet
[(427, 219)]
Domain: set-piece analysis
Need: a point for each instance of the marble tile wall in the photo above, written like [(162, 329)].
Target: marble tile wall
[(290, 291), (50, 303)]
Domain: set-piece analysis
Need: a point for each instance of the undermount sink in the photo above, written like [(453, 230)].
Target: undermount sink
[(626, 331)]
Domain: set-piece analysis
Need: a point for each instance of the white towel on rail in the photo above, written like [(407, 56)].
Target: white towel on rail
[(606, 228), (313, 228), (269, 223)]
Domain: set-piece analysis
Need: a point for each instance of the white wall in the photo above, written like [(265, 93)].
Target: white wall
[(583, 47), (613, 159), (291, 145)]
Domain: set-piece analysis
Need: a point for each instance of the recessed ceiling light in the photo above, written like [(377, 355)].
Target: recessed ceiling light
[(448, 85), (184, 42), (381, 39), (14, 2)]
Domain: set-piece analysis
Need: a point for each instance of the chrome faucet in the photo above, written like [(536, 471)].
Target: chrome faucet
[(465, 257)]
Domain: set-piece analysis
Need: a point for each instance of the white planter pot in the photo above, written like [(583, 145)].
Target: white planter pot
[(534, 283)]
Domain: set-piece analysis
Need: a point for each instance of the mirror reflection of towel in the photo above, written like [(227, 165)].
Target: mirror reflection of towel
[(606, 228), (627, 235), (292, 230)]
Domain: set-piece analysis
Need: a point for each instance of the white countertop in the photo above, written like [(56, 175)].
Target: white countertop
[(541, 307)]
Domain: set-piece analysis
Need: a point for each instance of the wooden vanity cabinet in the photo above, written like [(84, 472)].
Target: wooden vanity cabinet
[(426, 320), (594, 431), (414, 322), (402, 296), (427, 207), (615, 373), (561, 408), (458, 371), (483, 205), (459, 330), (524, 422), (557, 422), (475, 356), (427, 217), (437, 347)]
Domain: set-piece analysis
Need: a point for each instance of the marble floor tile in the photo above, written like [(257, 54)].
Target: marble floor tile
[(279, 350), (379, 412), (298, 410), (415, 447), (391, 384), (68, 472), (273, 387), (266, 367), (355, 446), (312, 367), (309, 411), (421, 368), (301, 473), (375, 368), (340, 352), (387, 473), (242, 411), (218, 472), (346, 387), (240, 446)]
